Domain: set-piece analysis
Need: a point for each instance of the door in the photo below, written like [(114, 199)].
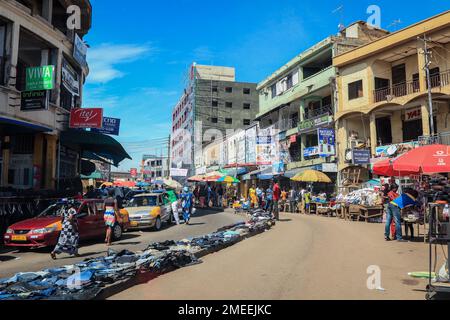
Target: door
[(85, 221), (99, 227), (399, 80), (166, 208)]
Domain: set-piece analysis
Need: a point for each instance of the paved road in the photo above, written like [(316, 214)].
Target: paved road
[(303, 257), (204, 222)]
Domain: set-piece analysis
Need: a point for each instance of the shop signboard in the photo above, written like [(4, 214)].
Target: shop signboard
[(80, 51), (327, 142), (110, 126), (311, 151), (265, 146), (330, 167), (396, 149), (309, 124), (361, 157), (86, 118), (250, 147), (174, 172), (133, 172), (416, 113), (40, 78), (70, 78), (34, 100)]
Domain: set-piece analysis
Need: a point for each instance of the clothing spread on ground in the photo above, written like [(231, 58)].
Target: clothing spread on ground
[(88, 279)]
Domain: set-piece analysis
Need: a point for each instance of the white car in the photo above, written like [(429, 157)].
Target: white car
[(149, 210)]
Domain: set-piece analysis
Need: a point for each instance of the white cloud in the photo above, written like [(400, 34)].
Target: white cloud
[(103, 60)]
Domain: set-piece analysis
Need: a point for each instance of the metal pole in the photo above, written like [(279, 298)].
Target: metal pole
[(430, 97)]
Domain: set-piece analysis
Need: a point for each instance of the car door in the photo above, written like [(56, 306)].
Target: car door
[(85, 221), (167, 207), (98, 227)]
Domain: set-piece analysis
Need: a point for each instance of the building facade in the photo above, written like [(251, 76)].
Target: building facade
[(383, 92), (299, 100), (34, 33), (155, 167), (212, 104)]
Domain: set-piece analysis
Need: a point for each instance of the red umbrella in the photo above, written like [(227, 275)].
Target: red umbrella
[(425, 160), (385, 168)]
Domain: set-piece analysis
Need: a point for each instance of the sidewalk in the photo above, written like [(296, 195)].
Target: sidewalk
[(302, 257)]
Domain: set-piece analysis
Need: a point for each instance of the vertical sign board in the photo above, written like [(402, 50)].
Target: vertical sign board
[(86, 118), (80, 51), (326, 142), (110, 126), (133, 172), (40, 78)]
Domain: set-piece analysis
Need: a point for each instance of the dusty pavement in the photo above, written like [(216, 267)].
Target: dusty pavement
[(203, 222), (303, 257)]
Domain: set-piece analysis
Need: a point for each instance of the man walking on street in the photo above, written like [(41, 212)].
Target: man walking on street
[(276, 200), (269, 199), (293, 200)]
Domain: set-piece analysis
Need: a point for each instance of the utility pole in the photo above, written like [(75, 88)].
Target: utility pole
[(427, 55)]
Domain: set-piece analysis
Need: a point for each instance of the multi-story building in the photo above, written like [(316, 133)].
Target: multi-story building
[(155, 167), (299, 98), (214, 100), (383, 91), (34, 33)]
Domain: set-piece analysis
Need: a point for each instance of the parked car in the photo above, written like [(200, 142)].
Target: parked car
[(149, 210), (44, 230)]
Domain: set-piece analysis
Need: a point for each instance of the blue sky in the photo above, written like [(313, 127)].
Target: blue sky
[(140, 50)]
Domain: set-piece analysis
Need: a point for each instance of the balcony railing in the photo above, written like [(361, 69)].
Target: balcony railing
[(288, 124), (440, 138), (406, 88), (325, 110)]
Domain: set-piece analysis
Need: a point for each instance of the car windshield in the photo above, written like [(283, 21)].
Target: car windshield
[(146, 201), (56, 210)]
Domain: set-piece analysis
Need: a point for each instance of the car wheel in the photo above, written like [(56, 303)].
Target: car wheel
[(117, 232), (158, 224)]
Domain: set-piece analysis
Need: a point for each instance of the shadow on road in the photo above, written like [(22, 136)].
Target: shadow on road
[(6, 258), (196, 224), (207, 212)]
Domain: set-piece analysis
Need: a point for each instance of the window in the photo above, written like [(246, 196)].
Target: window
[(215, 103), (2, 51), (246, 122), (214, 120), (273, 88), (247, 106), (229, 89), (355, 90), (229, 121), (229, 104), (289, 82), (246, 91), (215, 89)]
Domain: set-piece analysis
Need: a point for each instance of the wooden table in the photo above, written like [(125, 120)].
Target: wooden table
[(360, 212)]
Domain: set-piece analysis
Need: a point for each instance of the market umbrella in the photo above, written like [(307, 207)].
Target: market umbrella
[(128, 184), (385, 168), (227, 179), (107, 184), (197, 178), (142, 184), (312, 176), (172, 184), (430, 159)]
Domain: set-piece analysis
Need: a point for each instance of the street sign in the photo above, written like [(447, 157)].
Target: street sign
[(80, 51), (34, 100), (110, 126), (361, 157), (178, 172), (86, 118), (40, 78)]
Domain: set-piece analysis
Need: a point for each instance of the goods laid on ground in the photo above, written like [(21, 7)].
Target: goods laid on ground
[(88, 279), (365, 197), (363, 204)]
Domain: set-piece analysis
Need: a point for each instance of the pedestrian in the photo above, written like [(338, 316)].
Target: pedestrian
[(405, 200), (293, 200), (276, 200), (104, 192), (118, 195), (90, 194), (307, 201), (174, 203), (187, 204), (253, 197), (392, 195), (269, 199), (220, 196), (110, 215), (284, 196), (259, 194), (69, 236)]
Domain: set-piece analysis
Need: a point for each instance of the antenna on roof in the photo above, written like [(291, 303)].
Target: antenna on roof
[(394, 24), (340, 10)]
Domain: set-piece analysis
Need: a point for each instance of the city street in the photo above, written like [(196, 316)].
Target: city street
[(303, 257), (204, 222)]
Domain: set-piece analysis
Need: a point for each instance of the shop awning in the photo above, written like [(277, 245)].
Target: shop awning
[(292, 173), (100, 145), (235, 172), (95, 176), (15, 126)]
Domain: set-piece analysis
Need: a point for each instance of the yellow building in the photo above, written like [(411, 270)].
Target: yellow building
[(383, 91)]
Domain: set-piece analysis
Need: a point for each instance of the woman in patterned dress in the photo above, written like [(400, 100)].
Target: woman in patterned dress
[(69, 237), (111, 210)]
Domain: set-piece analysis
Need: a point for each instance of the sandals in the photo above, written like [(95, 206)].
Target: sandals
[(53, 255)]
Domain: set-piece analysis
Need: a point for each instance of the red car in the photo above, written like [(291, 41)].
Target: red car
[(44, 230)]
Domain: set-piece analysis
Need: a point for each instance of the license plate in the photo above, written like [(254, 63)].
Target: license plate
[(19, 238), (133, 224)]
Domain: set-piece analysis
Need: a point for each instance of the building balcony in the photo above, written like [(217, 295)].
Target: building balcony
[(319, 112), (440, 138), (441, 79)]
